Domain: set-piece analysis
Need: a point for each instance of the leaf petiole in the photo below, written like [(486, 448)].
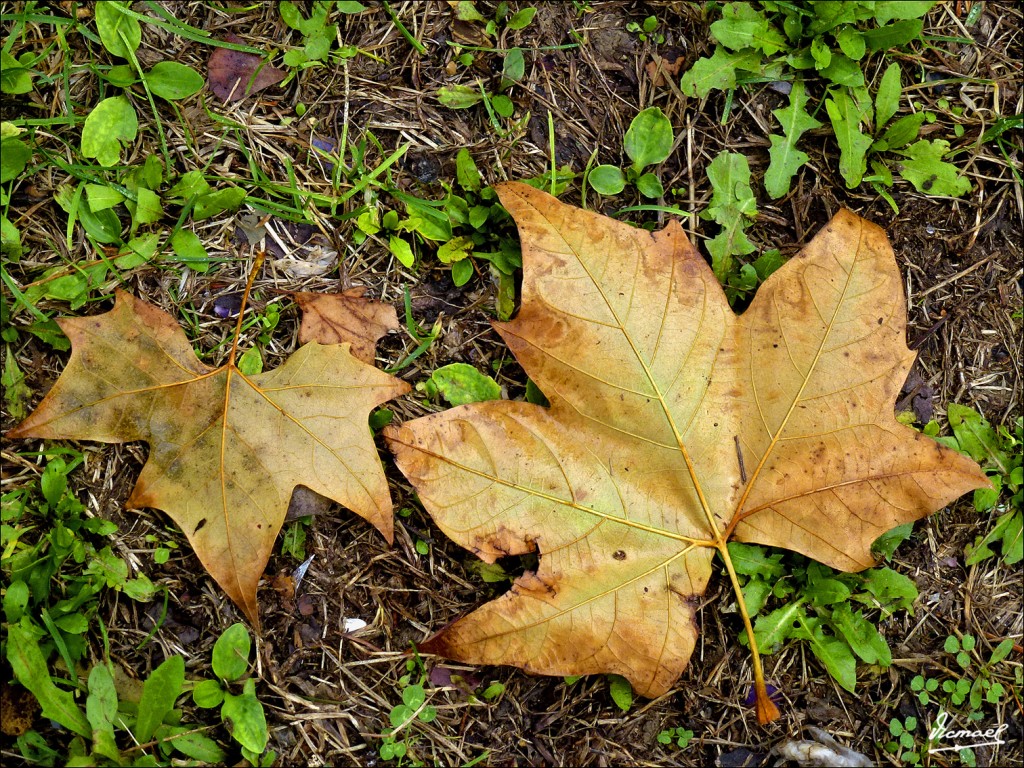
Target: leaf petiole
[(245, 300), (764, 706)]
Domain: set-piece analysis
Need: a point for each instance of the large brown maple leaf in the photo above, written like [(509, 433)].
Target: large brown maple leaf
[(674, 425), (226, 449)]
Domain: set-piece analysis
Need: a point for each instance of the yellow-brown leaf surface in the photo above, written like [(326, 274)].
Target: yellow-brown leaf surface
[(674, 425), (226, 449)]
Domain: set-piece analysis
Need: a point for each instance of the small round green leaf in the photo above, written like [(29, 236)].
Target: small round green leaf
[(112, 123), (208, 694), (650, 186), (503, 105), (231, 653), (119, 33), (649, 138), (607, 180), (172, 81)]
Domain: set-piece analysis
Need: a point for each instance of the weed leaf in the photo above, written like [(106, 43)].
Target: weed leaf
[(786, 159)]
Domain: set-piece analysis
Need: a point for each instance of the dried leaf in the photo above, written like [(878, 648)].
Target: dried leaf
[(674, 425), (234, 75), (346, 317), (226, 450)]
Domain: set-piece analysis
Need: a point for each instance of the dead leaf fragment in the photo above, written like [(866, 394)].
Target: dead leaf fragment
[(674, 425), (660, 70), (234, 75), (226, 449), (346, 317)]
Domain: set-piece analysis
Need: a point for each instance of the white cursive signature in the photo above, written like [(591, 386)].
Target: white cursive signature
[(942, 731)]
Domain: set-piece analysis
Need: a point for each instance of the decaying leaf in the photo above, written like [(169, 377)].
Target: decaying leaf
[(226, 449), (674, 425), (233, 75), (334, 318)]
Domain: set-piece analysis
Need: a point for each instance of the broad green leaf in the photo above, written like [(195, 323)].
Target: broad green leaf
[(466, 11), (103, 226), (456, 249), (1007, 531), (892, 590), (887, 10), (109, 125), (821, 53), (30, 669), (887, 100), (786, 159), (903, 131), (778, 626), (853, 144), (137, 251), (159, 693), (401, 250), (851, 43), (649, 185), (101, 709), (520, 19), (101, 197), (16, 397), (975, 436), (833, 653), (189, 249), (147, 209), (924, 167), (244, 717), (827, 591), (10, 239), (756, 594), (14, 78), (751, 560), (459, 96), (732, 207), (119, 32), (742, 27), (717, 73), (607, 180), (14, 156), (466, 172), (893, 35), (514, 66), (862, 635), (208, 694), (462, 272), (198, 746), (621, 692), (461, 383), (17, 595), (828, 15), (212, 203), (190, 185), (231, 653), (173, 81), (886, 544), (843, 71), (503, 105)]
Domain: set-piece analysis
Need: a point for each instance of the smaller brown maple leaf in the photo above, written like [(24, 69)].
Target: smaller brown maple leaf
[(226, 449)]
